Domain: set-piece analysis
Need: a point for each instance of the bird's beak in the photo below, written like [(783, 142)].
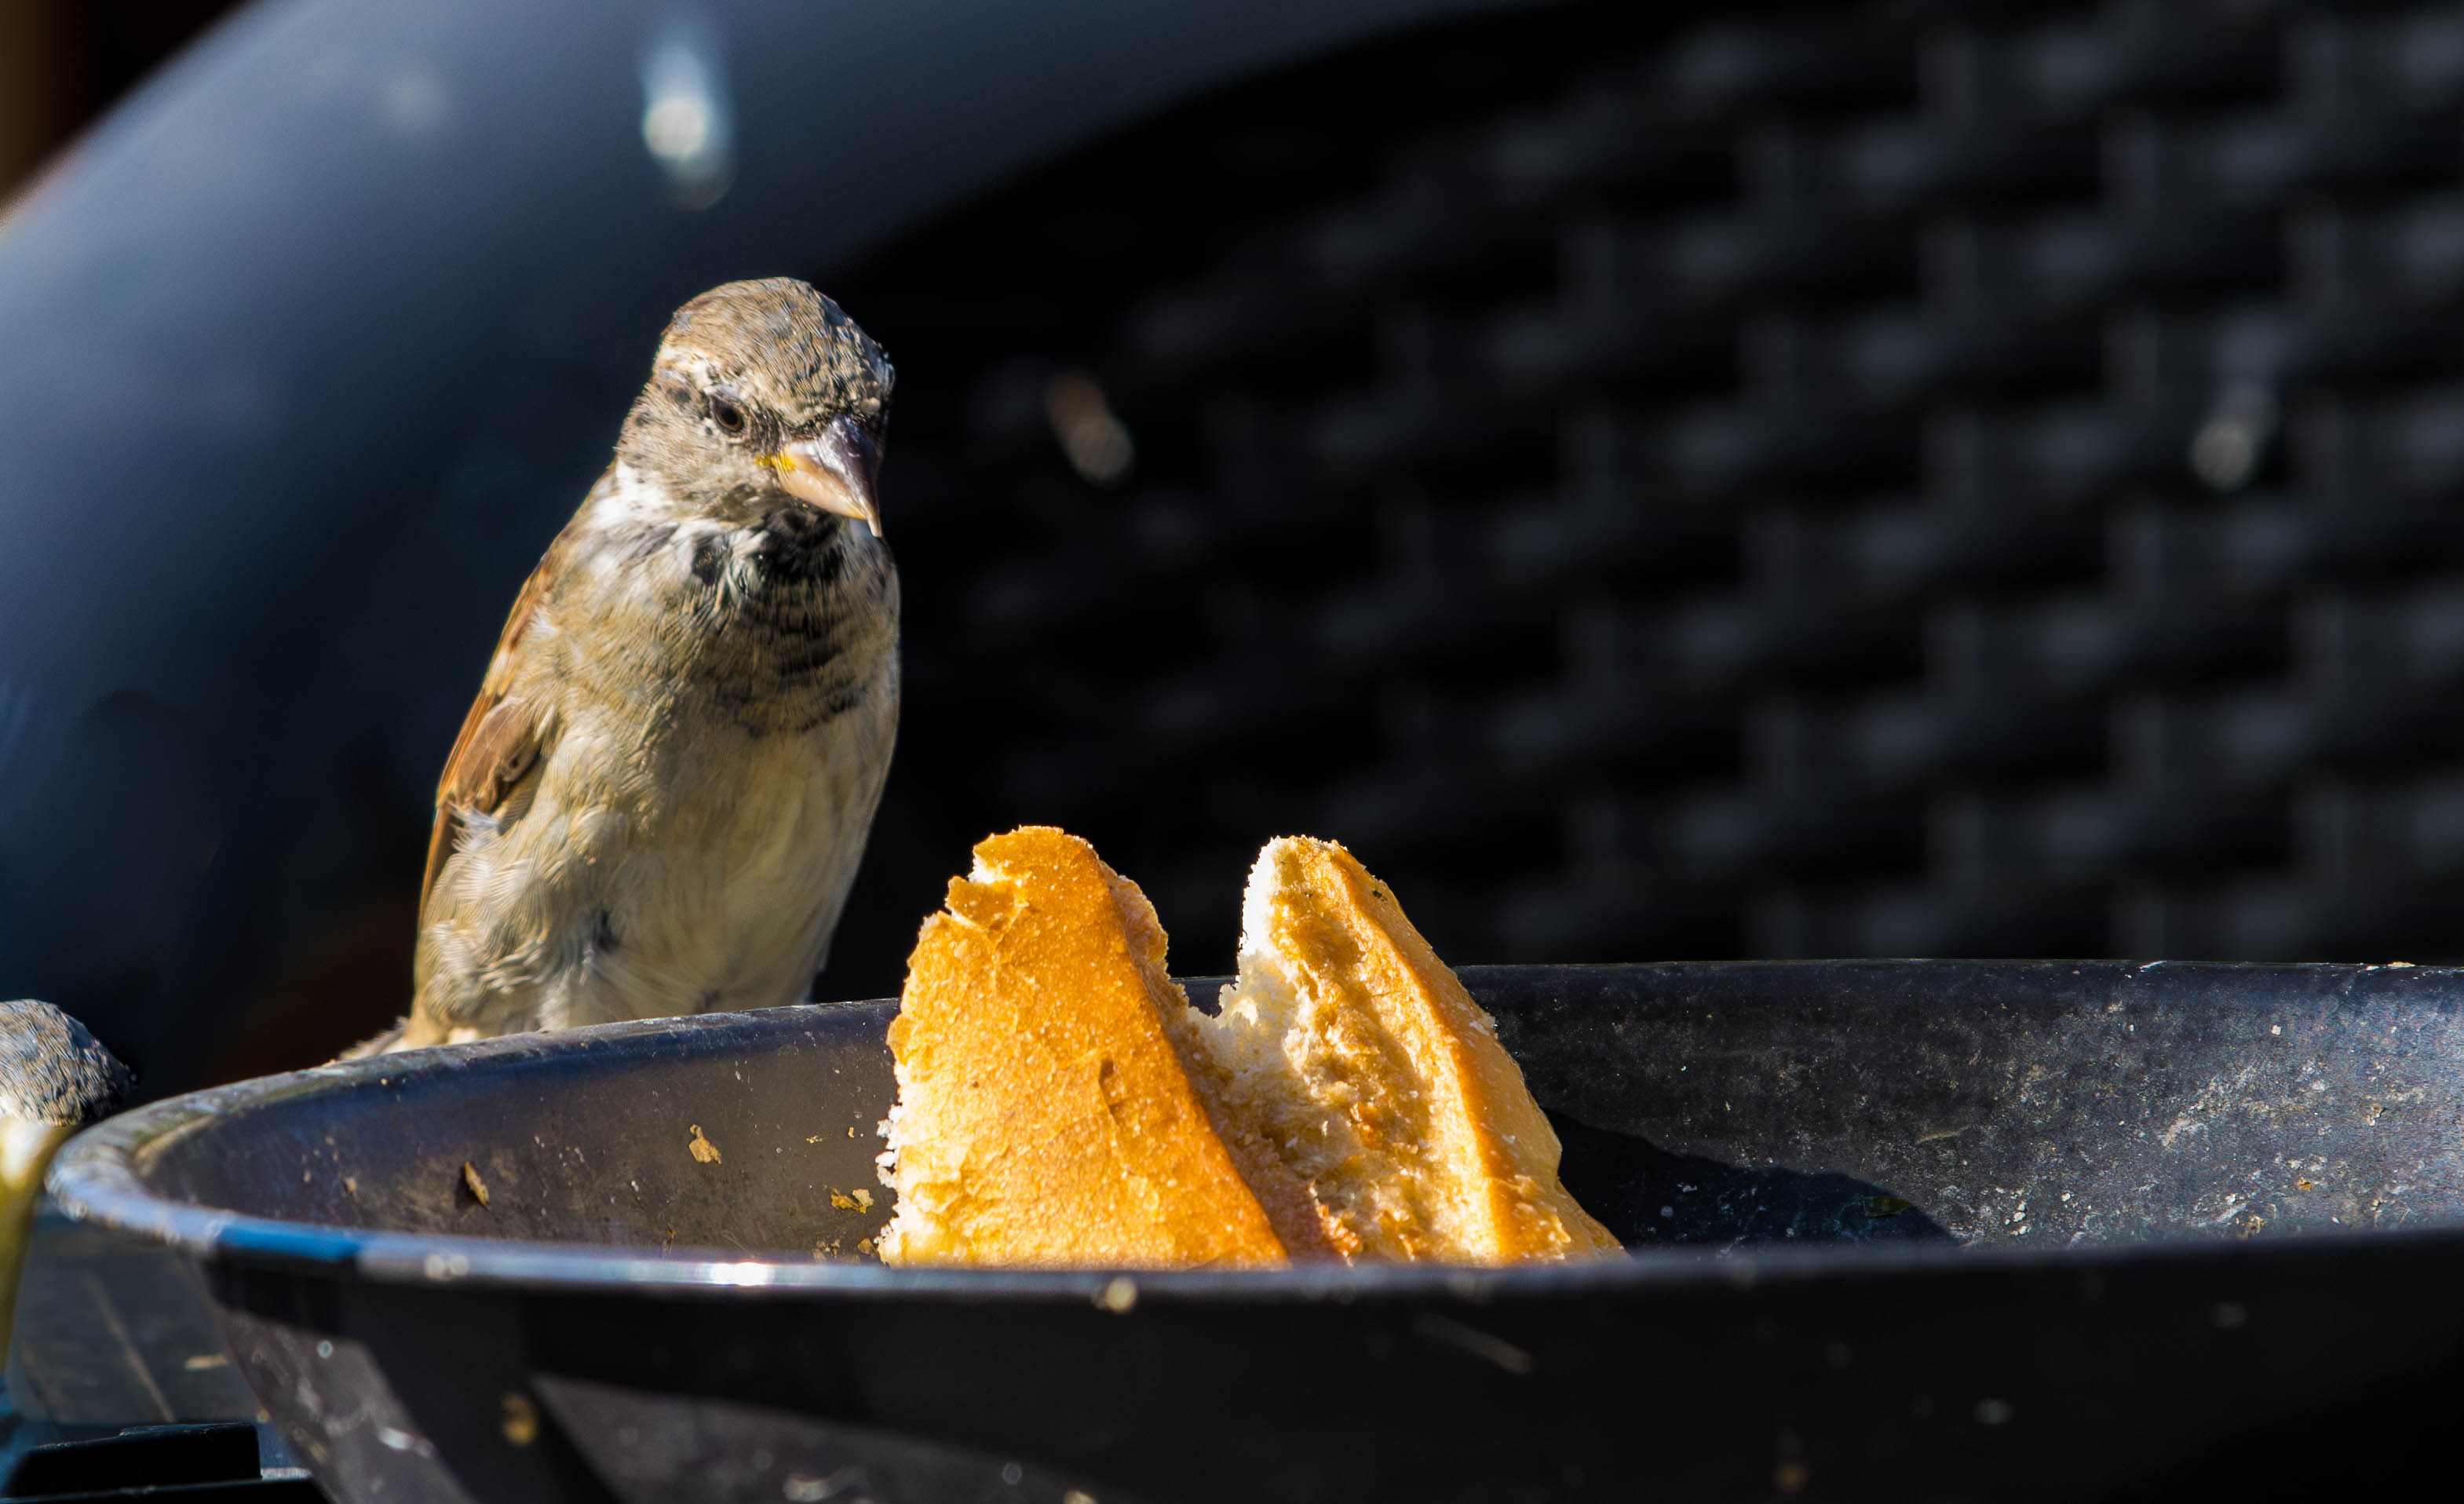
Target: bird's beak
[(833, 471), (26, 1149)]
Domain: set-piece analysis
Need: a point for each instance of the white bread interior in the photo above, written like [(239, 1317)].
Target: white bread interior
[(1351, 1058)]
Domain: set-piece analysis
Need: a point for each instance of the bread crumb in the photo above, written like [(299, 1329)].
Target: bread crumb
[(478, 1187), (703, 1150), (522, 1423)]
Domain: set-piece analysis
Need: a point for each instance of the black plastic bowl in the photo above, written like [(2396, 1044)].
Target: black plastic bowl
[(1923, 1231)]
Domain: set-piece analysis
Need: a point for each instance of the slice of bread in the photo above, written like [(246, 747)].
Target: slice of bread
[(1356, 1060), (1060, 1102), (1045, 1115)]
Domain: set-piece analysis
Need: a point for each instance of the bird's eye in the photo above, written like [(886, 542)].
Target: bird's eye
[(729, 417)]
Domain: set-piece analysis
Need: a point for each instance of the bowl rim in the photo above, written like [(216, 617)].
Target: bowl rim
[(95, 1180)]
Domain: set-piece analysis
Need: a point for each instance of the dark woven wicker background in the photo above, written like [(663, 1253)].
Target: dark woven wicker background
[(1908, 480)]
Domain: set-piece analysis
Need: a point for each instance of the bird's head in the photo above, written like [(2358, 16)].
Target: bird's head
[(55, 1079), (762, 393), (51, 1072)]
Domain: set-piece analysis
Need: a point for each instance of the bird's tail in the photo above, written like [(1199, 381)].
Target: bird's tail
[(389, 1041)]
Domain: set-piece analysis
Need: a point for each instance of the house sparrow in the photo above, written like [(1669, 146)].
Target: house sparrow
[(658, 802), (55, 1079)]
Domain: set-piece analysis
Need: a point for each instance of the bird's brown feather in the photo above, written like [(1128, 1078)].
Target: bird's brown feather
[(500, 740)]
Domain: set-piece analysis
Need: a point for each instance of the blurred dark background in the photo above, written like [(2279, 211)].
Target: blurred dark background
[(1902, 479), (63, 62)]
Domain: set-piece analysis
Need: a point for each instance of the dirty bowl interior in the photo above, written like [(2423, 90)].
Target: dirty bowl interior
[(1905, 1229)]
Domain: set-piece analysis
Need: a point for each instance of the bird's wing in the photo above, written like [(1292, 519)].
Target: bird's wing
[(501, 739)]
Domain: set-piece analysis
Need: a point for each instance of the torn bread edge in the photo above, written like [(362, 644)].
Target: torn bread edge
[(1359, 1092)]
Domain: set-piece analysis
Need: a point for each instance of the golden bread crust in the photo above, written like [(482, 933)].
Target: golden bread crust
[(1485, 1157), (1045, 1115)]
